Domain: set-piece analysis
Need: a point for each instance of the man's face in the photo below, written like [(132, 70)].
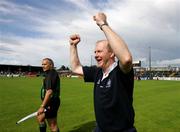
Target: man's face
[(102, 54), (46, 65)]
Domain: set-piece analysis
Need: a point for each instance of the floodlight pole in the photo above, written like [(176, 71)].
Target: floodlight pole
[(150, 61), (91, 60)]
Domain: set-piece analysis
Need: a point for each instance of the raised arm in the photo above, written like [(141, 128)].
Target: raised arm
[(117, 44), (74, 59)]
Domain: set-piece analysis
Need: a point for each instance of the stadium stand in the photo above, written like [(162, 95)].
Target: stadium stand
[(163, 73), (20, 70), (141, 73)]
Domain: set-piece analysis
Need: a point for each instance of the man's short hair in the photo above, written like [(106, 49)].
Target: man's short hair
[(108, 45), (50, 61)]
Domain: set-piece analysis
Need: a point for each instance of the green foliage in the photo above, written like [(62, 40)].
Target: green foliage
[(156, 105)]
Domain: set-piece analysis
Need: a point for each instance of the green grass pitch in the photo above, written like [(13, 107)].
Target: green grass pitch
[(156, 104)]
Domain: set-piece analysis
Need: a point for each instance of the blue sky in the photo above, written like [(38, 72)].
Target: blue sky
[(33, 29)]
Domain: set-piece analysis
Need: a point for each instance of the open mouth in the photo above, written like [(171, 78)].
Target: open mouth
[(99, 60)]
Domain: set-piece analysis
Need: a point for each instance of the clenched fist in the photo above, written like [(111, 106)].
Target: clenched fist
[(100, 19), (74, 39)]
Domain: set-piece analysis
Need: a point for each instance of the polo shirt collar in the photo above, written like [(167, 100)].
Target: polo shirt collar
[(110, 68)]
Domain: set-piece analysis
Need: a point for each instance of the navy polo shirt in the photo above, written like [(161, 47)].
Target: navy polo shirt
[(113, 98)]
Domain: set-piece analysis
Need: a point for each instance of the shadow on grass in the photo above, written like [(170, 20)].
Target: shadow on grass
[(86, 127)]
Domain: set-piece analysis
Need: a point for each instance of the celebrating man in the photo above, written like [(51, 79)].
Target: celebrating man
[(113, 81)]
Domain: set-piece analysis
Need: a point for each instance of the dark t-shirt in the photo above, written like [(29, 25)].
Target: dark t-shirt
[(51, 81), (113, 98)]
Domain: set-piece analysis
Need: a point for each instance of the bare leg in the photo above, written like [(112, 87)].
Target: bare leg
[(52, 122)]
